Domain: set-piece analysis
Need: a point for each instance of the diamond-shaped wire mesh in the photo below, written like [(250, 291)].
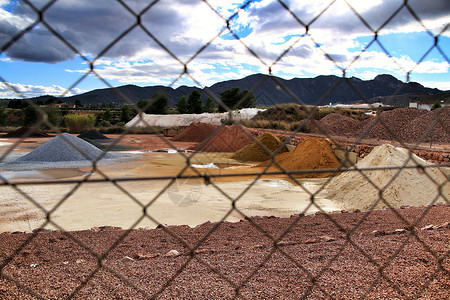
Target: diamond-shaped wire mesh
[(312, 254)]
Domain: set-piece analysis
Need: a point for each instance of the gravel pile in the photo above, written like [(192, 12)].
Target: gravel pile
[(402, 124), (227, 139), (392, 125), (336, 124), (25, 131), (196, 132), (93, 135), (64, 147), (56, 267), (60, 152), (441, 131)]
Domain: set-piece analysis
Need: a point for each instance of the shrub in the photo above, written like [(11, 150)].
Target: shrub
[(3, 116), (288, 113), (104, 123), (53, 116), (78, 123)]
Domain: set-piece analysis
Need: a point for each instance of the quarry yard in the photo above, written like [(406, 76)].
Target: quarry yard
[(216, 217), (146, 174)]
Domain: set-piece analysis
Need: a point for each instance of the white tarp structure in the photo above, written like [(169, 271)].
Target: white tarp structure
[(187, 119)]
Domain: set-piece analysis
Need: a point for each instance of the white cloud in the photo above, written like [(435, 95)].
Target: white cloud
[(18, 90), (184, 26), (442, 85)]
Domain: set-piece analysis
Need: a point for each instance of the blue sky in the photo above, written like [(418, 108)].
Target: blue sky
[(39, 63)]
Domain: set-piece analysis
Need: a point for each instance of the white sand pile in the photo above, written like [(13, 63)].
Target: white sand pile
[(412, 186), (187, 119)]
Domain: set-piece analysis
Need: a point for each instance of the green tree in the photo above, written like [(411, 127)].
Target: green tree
[(232, 98), (78, 103), (125, 113), (18, 104), (144, 105), (3, 116), (436, 106), (53, 100), (209, 106), (249, 100), (181, 105), (53, 115), (159, 104), (30, 116), (107, 115), (195, 103)]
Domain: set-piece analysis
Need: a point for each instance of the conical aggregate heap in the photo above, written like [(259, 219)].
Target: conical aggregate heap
[(26, 131), (405, 186), (336, 124), (227, 139), (196, 132), (255, 152), (92, 135), (311, 154), (59, 150)]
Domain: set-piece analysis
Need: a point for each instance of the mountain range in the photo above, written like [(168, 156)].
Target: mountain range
[(271, 90)]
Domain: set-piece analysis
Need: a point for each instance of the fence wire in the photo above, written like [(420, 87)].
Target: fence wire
[(278, 249)]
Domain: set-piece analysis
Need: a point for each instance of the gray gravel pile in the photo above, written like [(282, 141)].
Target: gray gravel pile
[(64, 147), (57, 153), (93, 135)]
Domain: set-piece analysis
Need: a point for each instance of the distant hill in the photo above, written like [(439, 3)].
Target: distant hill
[(271, 90)]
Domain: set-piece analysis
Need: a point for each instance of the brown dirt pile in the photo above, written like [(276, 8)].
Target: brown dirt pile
[(255, 152), (25, 132), (311, 154), (227, 139), (196, 132)]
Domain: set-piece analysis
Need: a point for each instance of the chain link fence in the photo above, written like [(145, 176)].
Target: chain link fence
[(278, 258)]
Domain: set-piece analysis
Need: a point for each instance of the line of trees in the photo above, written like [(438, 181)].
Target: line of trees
[(232, 98), (21, 113)]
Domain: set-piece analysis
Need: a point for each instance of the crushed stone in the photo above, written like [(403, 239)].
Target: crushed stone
[(59, 152), (62, 148), (92, 135)]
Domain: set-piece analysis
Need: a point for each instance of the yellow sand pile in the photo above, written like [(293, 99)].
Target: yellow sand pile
[(255, 152), (311, 154)]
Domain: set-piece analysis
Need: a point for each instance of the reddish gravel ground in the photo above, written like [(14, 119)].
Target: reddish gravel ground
[(312, 260)]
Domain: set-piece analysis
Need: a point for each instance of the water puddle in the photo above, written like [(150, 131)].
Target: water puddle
[(45, 174)]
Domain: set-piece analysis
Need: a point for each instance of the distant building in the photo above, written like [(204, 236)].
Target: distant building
[(427, 106), (360, 105)]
